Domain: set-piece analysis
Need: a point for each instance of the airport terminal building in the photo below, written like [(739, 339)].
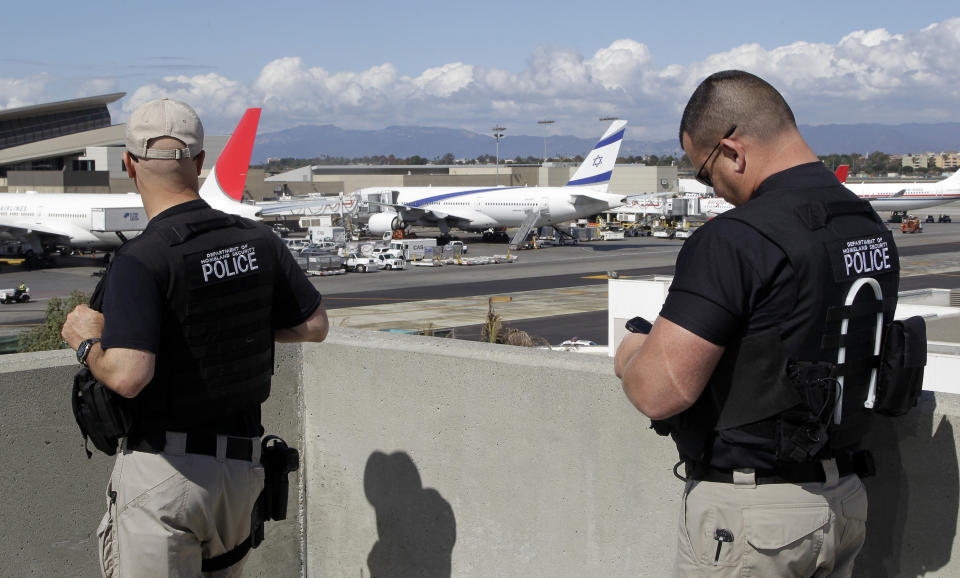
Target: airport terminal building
[(71, 146)]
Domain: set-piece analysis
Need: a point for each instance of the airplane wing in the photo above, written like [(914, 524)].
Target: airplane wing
[(452, 215), (594, 195), (635, 199), (306, 207), (22, 226)]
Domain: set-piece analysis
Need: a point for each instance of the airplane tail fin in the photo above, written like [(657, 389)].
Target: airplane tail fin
[(597, 168), (223, 188), (842, 172), (953, 180)]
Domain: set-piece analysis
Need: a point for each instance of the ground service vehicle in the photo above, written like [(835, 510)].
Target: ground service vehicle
[(415, 249), (391, 263), (360, 264), (911, 225), (456, 246), (11, 296)]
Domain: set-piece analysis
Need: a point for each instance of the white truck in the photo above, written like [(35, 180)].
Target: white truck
[(386, 253), (611, 234), (391, 263), (415, 249), (455, 247), (360, 264)]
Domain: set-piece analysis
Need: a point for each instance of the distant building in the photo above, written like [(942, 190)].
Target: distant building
[(70, 146)]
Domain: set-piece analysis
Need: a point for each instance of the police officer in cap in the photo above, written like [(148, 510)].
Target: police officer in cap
[(191, 310), (741, 367)]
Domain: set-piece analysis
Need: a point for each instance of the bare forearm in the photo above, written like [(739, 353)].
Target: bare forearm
[(667, 371), (313, 329), (125, 371)]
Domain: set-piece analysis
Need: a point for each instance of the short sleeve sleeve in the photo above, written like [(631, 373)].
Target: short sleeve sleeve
[(132, 307), (294, 297), (724, 271)]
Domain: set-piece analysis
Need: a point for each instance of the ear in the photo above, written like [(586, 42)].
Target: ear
[(734, 151), (128, 164), (199, 161)]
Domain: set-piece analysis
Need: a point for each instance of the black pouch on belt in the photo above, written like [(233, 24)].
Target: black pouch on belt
[(903, 356), (101, 414)]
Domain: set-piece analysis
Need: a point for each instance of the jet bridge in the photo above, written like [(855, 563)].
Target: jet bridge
[(118, 220)]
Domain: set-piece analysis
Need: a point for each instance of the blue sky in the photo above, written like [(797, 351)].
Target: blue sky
[(367, 65)]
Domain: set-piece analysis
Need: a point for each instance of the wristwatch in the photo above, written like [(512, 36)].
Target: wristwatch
[(84, 350)]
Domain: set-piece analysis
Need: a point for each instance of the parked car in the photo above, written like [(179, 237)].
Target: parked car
[(577, 341), (944, 219)]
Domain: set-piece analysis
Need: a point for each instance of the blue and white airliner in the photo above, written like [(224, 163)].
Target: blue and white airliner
[(481, 209)]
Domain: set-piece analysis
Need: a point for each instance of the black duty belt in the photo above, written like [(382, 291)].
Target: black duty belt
[(196, 443), (859, 463)]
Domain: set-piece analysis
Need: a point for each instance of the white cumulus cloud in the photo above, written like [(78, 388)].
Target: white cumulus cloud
[(866, 76)]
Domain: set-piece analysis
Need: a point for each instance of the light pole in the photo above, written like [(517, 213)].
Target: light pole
[(545, 122), (498, 134)]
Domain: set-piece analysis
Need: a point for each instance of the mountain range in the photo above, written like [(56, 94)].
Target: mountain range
[(313, 141)]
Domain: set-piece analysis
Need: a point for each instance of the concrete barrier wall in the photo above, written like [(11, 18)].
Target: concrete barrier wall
[(444, 457), (428, 456), (52, 496)]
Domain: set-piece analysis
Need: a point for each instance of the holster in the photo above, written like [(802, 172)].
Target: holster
[(278, 461)]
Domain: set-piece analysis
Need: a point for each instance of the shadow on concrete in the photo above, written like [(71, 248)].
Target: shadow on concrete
[(415, 525), (914, 502)]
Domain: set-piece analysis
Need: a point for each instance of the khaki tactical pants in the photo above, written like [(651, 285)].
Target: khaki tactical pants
[(167, 512), (814, 529)]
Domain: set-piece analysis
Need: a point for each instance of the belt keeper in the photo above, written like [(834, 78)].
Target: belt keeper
[(745, 478), (221, 448), (176, 443)]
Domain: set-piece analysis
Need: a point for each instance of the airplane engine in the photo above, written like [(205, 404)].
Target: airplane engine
[(385, 223)]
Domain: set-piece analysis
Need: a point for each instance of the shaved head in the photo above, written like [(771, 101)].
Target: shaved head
[(734, 97)]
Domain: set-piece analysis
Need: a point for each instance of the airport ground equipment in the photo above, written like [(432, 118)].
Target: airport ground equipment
[(12, 296), (526, 226), (415, 249), (911, 225), (611, 234), (360, 264)]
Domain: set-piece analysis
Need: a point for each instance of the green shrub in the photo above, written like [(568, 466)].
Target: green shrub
[(47, 336)]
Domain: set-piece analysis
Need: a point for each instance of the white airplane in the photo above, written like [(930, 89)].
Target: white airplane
[(45, 221), (908, 196), (882, 196), (473, 209)]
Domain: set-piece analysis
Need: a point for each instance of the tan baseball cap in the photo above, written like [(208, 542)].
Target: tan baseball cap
[(164, 117)]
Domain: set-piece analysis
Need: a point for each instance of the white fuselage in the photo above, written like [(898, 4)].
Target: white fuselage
[(26, 213), (907, 196), (484, 208)]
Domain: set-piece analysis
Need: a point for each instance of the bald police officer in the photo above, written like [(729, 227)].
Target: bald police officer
[(740, 368), (191, 310)]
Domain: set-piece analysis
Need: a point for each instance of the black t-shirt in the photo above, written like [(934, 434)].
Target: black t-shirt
[(133, 306), (729, 278)]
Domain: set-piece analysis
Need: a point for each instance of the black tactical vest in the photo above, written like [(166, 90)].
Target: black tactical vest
[(216, 353), (770, 383)]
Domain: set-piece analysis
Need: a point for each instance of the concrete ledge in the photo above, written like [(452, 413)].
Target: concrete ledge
[(466, 459), (427, 456)]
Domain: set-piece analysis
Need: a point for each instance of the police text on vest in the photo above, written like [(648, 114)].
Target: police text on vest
[(870, 255), (229, 262)]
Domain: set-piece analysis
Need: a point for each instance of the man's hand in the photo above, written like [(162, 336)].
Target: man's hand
[(82, 323)]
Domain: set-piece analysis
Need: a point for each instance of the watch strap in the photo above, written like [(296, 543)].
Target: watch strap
[(84, 349)]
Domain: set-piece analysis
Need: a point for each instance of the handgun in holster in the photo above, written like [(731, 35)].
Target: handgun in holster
[(278, 461)]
